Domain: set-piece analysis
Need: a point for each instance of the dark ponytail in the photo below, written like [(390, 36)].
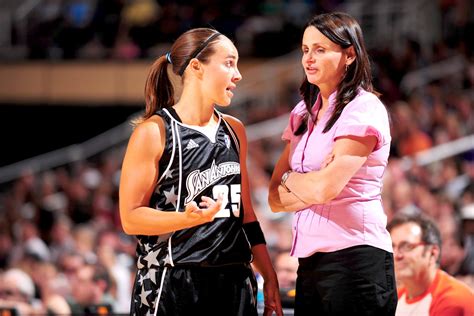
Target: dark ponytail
[(159, 92)]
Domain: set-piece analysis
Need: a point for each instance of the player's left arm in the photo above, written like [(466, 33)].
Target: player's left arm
[(262, 261)]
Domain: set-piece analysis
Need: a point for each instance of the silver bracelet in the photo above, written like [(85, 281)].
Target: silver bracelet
[(284, 177)]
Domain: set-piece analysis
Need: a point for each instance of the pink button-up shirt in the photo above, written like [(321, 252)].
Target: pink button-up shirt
[(355, 216)]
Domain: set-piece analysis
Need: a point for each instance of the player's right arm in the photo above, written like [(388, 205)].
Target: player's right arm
[(137, 181)]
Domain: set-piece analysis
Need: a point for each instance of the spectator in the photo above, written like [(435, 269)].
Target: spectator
[(286, 267), (91, 292), (424, 289), (17, 292)]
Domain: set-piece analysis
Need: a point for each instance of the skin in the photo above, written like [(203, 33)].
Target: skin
[(416, 269), (203, 86), (324, 63)]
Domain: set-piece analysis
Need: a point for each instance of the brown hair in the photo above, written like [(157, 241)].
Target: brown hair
[(430, 234), (343, 30), (159, 93)]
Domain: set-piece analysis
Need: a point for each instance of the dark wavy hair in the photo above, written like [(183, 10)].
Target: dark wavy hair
[(343, 30)]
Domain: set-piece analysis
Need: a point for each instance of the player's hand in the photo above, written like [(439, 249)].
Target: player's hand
[(272, 299), (206, 211)]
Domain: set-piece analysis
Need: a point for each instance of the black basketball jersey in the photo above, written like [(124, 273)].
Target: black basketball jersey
[(193, 165)]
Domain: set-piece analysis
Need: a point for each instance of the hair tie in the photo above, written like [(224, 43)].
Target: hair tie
[(168, 58)]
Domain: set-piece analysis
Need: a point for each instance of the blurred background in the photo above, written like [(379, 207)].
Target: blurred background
[(72, 74)]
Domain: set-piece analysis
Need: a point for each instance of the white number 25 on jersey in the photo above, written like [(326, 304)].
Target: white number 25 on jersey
[(234, 197)]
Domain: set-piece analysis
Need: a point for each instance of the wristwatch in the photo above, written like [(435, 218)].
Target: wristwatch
[(284, 177)]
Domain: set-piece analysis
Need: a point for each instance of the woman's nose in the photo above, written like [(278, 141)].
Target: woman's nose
[(237, 75), (308, 58)]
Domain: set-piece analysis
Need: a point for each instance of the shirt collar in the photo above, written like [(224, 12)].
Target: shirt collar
[(332, 103)]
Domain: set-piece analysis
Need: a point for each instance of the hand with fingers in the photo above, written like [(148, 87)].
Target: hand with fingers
[(272, 298), (206, 211)]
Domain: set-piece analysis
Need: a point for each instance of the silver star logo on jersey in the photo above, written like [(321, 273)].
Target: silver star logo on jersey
[(169, 173), (171, 197)]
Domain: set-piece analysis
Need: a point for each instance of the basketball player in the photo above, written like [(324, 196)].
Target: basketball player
[(184, 190)]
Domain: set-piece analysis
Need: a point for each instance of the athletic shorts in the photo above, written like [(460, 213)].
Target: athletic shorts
[(358, 280), (183, 291)]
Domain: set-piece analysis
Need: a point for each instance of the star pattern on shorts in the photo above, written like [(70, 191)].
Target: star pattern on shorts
[(152, 275), (143, 295), (150, 258), (142, 278)]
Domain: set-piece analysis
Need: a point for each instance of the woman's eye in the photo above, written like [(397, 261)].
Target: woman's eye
[(320, 50)]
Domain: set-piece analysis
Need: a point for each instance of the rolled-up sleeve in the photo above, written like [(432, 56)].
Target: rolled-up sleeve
[(367, 118)]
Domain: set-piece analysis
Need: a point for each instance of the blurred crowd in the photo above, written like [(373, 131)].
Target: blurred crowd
[(62, 248), (125, 29)]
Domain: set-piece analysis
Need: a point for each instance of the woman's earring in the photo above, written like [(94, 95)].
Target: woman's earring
[(345, 72)]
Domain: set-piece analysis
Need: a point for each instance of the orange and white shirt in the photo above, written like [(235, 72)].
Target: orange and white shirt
[(445, 297)]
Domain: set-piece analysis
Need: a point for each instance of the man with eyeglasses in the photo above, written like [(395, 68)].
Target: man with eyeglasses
[(424, 289)]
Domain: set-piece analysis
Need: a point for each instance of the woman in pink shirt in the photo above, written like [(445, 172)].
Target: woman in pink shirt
[(330, 176)]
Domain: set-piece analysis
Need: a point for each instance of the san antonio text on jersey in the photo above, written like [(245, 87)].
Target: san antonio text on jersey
[(193, 165)]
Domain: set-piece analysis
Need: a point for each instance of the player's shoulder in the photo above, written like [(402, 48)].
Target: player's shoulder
[(149, 128), (231, 119), (234, 122)]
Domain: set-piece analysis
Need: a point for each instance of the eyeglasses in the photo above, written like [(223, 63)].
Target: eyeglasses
[(406, 246)]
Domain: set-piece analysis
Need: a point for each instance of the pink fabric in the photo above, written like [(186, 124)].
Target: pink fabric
[(355, 216)]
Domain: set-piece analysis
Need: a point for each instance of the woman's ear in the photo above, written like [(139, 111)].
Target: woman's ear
[(195, 64), (350, 55), (195, 67)]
